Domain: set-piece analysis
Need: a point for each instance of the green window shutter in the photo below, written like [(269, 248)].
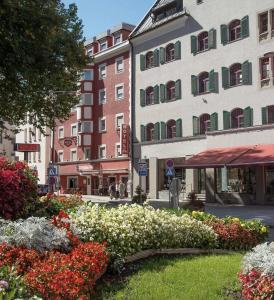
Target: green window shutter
[(195, 125), (214, 122), (225, 77), (179, 128), (162, 93), (245, 27), (156, 136), (143, 133), (178, 92), (163, 130), (213, 82), (224, 34), (194, 85), (212, 39), (177, 50), (156, 94), (264, 115), (156, 58), (142, 62), (247, 73), (143, 98), (193, 39), (248, 117), (226, 117), (162, 55)]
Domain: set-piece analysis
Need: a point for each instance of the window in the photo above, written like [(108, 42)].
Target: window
[(236, 75), (263, 22), (103, 45), (30, 135), (170, 53), (234, 30), (29, 157), (171, 129), (119, 120), (102, 96), (203, 80), (149, 132), (34, 157), (118, 150), (39, 156), (86, 99), (61, 132), (89, 51), (102, 151), (120, 92), (117, 38), (237, 118), (199, 1), (171, 95), (149, 60), (204, 123), (270, 114), (267, 70), (149, 96), (272, 22), (86, 127), (60, 156), (72, 182), (102, 125), (87, 75), (74, 130), (73, 155), (203, 41), (102, 71), (87, 153), (119, 65)]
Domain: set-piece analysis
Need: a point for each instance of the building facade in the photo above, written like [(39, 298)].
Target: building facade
[(90, 149), (7, 139), (34, 148), (203, 80)]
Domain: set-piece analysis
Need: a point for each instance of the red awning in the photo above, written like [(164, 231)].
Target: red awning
[(232, 156)]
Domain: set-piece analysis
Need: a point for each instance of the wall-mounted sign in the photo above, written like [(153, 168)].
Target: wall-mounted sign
[(125, 139), (27, 147), (70, 140)]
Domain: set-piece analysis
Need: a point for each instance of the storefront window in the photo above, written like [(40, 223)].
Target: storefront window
[(269, 179), (238, 180)]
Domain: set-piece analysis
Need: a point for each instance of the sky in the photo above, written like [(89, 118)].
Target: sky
[(100, 15)]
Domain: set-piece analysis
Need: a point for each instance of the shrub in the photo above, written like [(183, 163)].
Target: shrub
[(140, 196), (34, 233), (257, 276), (129, 229), (18, 189), (68, 276)]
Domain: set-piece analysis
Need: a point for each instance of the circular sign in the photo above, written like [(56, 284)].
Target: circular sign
[(170, 163), (67, 142)]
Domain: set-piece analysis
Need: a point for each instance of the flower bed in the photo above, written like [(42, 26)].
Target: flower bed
[(130, 229), (234, 233), (257, 276)]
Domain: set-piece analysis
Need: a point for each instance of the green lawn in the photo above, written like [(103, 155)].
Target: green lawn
[(189, 278)]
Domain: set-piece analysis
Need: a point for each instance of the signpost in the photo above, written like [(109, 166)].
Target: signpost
[(169, 174), (52, 174), (142, 169)]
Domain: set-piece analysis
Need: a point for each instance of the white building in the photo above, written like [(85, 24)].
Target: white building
[(203, 79), (37, 160)]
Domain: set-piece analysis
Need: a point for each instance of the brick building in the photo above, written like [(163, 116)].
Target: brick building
[(88, 145)]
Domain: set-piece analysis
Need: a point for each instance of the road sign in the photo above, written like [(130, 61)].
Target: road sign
[(53, 170), (169, 172), (170, 164), (142, 168)]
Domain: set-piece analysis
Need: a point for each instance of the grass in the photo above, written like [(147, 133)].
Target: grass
[(187, 278)]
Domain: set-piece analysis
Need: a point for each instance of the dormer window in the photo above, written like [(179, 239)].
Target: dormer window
[(103, 45), (165, 11), (89, 51), (117, 38)]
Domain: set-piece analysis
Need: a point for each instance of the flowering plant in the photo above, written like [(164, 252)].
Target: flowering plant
[(131, 228), (257, 276), (18, 189)]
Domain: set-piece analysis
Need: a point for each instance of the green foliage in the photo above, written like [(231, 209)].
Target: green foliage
[(140, 196), (42, 52), (11, 284)]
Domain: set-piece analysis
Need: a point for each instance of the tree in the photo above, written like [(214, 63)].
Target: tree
[(41, 54)]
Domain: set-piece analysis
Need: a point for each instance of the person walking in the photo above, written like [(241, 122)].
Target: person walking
[(112, 190), (122, 189)]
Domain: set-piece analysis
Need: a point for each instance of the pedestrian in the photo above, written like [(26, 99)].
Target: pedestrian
[(122, 189), (112, 190)]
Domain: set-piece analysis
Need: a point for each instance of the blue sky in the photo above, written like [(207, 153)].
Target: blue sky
[(99, 15)]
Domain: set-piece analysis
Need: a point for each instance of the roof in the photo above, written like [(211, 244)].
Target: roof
[(148, 23), (232, 157)]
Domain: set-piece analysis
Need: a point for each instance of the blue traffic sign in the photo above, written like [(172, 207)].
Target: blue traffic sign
[(169, 172), (53, 170), (142, 169)]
